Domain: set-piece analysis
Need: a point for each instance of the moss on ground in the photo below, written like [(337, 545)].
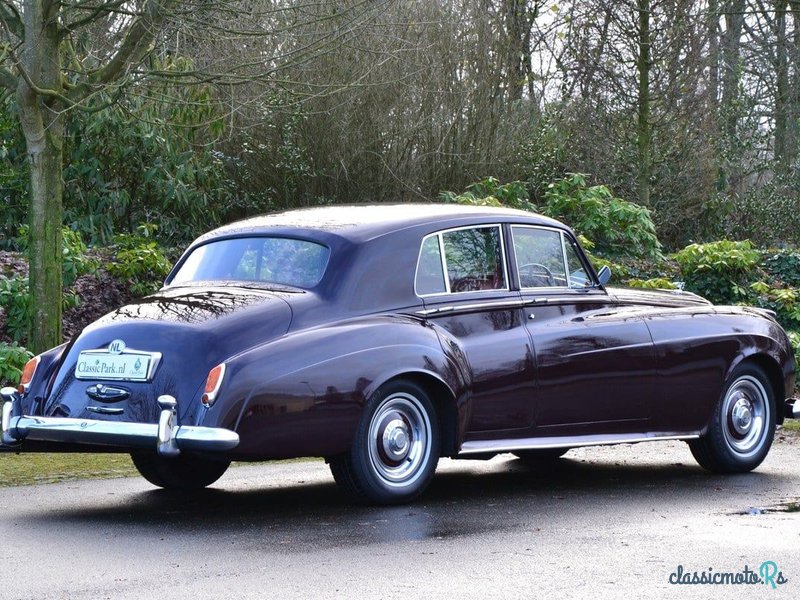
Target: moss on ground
[(792, 425), (33, 468)]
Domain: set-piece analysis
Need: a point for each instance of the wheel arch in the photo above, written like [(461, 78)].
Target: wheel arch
[(774, 374), (444, 401)]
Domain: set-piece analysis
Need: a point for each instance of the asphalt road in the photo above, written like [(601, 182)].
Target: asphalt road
[(605, 522)]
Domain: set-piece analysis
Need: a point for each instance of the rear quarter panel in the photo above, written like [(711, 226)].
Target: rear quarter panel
[(303, 394)]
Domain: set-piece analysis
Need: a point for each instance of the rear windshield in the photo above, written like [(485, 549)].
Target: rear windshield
[(282, 261)]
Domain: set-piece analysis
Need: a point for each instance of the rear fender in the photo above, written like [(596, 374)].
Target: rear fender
[(303, 394), (39, 389)]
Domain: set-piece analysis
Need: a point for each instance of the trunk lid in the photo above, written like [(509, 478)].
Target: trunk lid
[(177, 335)]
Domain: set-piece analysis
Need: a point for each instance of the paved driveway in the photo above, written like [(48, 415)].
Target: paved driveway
[(605, 522)]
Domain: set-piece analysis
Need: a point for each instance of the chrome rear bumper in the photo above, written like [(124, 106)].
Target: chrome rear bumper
[(167, 438)]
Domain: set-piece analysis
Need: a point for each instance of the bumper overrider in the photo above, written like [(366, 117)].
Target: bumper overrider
[(166, 437), (792, 408)]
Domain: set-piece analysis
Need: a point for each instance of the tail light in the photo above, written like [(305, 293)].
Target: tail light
[(28, 371), (213, 383)]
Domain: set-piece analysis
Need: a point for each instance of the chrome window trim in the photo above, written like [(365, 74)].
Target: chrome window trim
[(443, 263), (443, 258), (440, 235), (564, 259), (489, 305)]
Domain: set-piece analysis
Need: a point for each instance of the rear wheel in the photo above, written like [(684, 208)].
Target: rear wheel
[(396, 446), (182, 472), (742, 426)]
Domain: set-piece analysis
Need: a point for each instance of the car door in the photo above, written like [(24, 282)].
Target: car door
[(595, 361), (463, 279)]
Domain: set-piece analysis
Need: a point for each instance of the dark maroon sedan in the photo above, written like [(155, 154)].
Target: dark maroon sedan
[(384, 337)]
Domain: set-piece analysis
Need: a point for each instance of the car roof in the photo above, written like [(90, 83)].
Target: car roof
[(368, 221)]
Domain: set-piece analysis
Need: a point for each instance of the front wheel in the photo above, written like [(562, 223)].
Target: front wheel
[(742, 426), (396, 447), (182, 473)]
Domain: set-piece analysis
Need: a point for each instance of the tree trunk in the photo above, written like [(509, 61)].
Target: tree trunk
[(731, 78), (781, 89), (643, 131), (519, 21), (42, 124), (713, 54), (793, 134)]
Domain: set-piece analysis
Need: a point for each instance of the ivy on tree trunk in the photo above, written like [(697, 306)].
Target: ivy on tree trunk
[(643, 133), (41, 117), (41, 32)]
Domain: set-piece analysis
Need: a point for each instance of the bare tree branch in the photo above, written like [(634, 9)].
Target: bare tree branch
[(135, 46), (10, 17), (113, 7)]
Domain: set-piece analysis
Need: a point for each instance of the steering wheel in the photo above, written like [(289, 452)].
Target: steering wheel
[(535, 270)]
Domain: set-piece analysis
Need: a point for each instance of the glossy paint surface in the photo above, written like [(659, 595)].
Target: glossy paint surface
[(595, 364), (499, 365)]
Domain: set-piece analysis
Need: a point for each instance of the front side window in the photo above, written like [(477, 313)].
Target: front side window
[(547, 258), (264, 260), (578, 277), (462, 260)]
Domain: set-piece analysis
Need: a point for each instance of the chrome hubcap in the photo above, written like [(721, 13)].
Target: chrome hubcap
[(396, 440), (742, 414), (746, 411), (399, 440)]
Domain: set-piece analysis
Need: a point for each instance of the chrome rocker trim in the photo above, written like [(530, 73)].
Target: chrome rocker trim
[(167, 438), (546, 443)]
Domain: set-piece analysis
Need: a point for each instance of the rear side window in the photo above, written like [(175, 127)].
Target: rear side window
[(462, 260), (430, 272)]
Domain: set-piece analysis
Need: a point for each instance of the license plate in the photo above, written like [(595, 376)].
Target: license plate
[(95, 365)]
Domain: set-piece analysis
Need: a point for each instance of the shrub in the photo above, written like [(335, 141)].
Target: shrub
[(617, 227), (12, 359), (15, 299), (490, 192), (73, 254), (784, 301), (658, 283), (784, 266), (767, 213), (16, 302), (140, 261), (718, 271)]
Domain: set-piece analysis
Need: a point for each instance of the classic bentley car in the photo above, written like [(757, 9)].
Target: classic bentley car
[(384, 337)]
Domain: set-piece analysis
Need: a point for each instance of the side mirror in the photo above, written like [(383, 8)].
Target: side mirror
[(604, 275)]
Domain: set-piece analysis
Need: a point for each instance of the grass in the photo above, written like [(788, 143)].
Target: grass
[(792, 425), (33, 468)]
